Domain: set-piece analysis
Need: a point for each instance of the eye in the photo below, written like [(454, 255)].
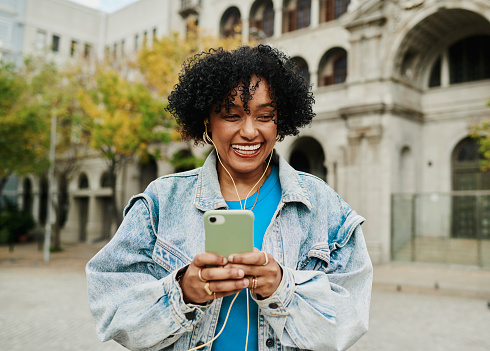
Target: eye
[(231, 117), (265, 118)]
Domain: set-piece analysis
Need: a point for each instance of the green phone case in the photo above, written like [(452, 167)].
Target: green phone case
[(231, 232)]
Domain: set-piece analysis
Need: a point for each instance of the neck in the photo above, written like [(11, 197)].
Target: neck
[(243, 182)]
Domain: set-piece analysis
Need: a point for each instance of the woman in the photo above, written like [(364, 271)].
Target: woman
[(310, 275)]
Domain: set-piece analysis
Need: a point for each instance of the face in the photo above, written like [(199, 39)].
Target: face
[(245, 140)]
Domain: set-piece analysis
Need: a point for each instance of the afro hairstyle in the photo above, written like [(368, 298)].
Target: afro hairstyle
[(209, 80)]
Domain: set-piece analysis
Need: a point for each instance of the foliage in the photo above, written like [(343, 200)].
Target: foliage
[(23, 122), (161, 63), (14, 223), (481, 133), (123, 120), (184, 160)]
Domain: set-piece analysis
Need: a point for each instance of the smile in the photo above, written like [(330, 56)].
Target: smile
[(246, 149)]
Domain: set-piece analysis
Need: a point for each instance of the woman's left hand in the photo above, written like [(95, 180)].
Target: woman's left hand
[(261, 266)]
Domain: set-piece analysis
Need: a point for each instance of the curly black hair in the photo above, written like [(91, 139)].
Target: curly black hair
[(210, 80)]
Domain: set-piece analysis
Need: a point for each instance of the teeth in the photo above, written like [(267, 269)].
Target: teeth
[(247, 147)]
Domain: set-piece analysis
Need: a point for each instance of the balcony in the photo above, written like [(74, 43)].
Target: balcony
[(188, 7)]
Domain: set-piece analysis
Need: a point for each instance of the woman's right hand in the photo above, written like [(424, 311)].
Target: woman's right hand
[(220, 281)]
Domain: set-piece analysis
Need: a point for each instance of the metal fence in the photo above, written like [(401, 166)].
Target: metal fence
[(450, 228)]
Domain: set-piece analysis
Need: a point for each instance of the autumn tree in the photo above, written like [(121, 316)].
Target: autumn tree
[(124, 120)]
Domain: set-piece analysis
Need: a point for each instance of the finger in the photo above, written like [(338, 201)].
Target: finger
[(222, 273), (258, 258), (204, 259), (228, 286)]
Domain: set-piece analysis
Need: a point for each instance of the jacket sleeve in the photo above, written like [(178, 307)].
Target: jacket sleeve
[(325, 307), (133, 300)]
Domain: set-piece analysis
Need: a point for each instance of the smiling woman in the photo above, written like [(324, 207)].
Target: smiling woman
[(154, 287)]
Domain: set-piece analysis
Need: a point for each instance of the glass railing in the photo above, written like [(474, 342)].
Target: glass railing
[(451, 228)]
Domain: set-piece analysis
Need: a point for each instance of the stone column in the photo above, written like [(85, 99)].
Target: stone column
[(315, 13), (277, 20), (445, 69), (245, 30)]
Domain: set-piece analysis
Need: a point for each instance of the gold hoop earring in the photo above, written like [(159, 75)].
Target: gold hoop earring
[(207, 139), (278, 137)]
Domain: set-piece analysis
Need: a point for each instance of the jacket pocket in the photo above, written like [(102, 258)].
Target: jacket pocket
[(168, 256), (318, 258)]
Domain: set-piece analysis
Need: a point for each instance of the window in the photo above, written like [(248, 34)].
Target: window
[(40, 40), (435, 74), (55, 43), (154, 34), (145, 37), (87, 50), (114, 51), (269, 20), (469, 58), (136, 42), (73, 48), (333, 67), (304, 13), (230, 23), (122, 47), (332, 9)]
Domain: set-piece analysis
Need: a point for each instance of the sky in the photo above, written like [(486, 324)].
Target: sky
[(105, 5)]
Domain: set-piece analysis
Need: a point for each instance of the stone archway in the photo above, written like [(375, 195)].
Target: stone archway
[(307, 155)]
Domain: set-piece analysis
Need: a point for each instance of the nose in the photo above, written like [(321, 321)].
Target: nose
[(248, 129)]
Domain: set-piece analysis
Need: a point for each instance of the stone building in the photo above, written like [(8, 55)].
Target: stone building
[(398, 85)]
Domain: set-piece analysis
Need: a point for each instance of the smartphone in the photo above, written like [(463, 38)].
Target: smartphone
[(229, 231)]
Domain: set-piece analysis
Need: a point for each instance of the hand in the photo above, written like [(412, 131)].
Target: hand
[(254, 265), (223, 280)]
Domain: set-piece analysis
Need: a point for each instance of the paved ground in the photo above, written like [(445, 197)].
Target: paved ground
[(44, 305)]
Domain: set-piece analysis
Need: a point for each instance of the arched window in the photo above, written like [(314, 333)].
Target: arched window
[(332, 9), (435, 74), (302, 68), (468, 176), (83, 181), (469, 59), (308, 156), (333, 67), (230, 24), (262, 19), (296, 15), (105, 180)]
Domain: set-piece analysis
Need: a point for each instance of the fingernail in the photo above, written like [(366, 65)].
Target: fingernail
[(230, 258), (224, 261), (241, 273)]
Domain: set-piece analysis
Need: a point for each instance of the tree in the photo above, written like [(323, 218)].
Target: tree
[(123, 120), (23, 125), (481, 133), (161, 62)]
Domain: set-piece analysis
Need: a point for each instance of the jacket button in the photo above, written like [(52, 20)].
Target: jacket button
[(269, 342), (190, 315), (273, 305), (200, 343)]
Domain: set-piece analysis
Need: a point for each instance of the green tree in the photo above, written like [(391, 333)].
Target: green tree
[(481, 133), (23, 124), (124, 120)]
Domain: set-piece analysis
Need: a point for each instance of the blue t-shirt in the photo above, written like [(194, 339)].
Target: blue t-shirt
[(235, 332)]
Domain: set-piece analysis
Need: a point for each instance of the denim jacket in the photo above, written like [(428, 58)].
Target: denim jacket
[(322, 302)]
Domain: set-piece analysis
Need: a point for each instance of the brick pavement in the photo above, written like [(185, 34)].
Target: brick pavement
[(44, 305)]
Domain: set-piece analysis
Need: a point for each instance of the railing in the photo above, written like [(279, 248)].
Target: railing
[(450, 228)]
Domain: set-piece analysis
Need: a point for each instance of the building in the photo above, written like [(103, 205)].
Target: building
[(398, 85)]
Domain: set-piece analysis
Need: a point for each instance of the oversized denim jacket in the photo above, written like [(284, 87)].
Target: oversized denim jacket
[(322, 302)]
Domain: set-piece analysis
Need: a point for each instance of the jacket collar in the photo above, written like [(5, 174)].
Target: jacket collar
[(208, 192)]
